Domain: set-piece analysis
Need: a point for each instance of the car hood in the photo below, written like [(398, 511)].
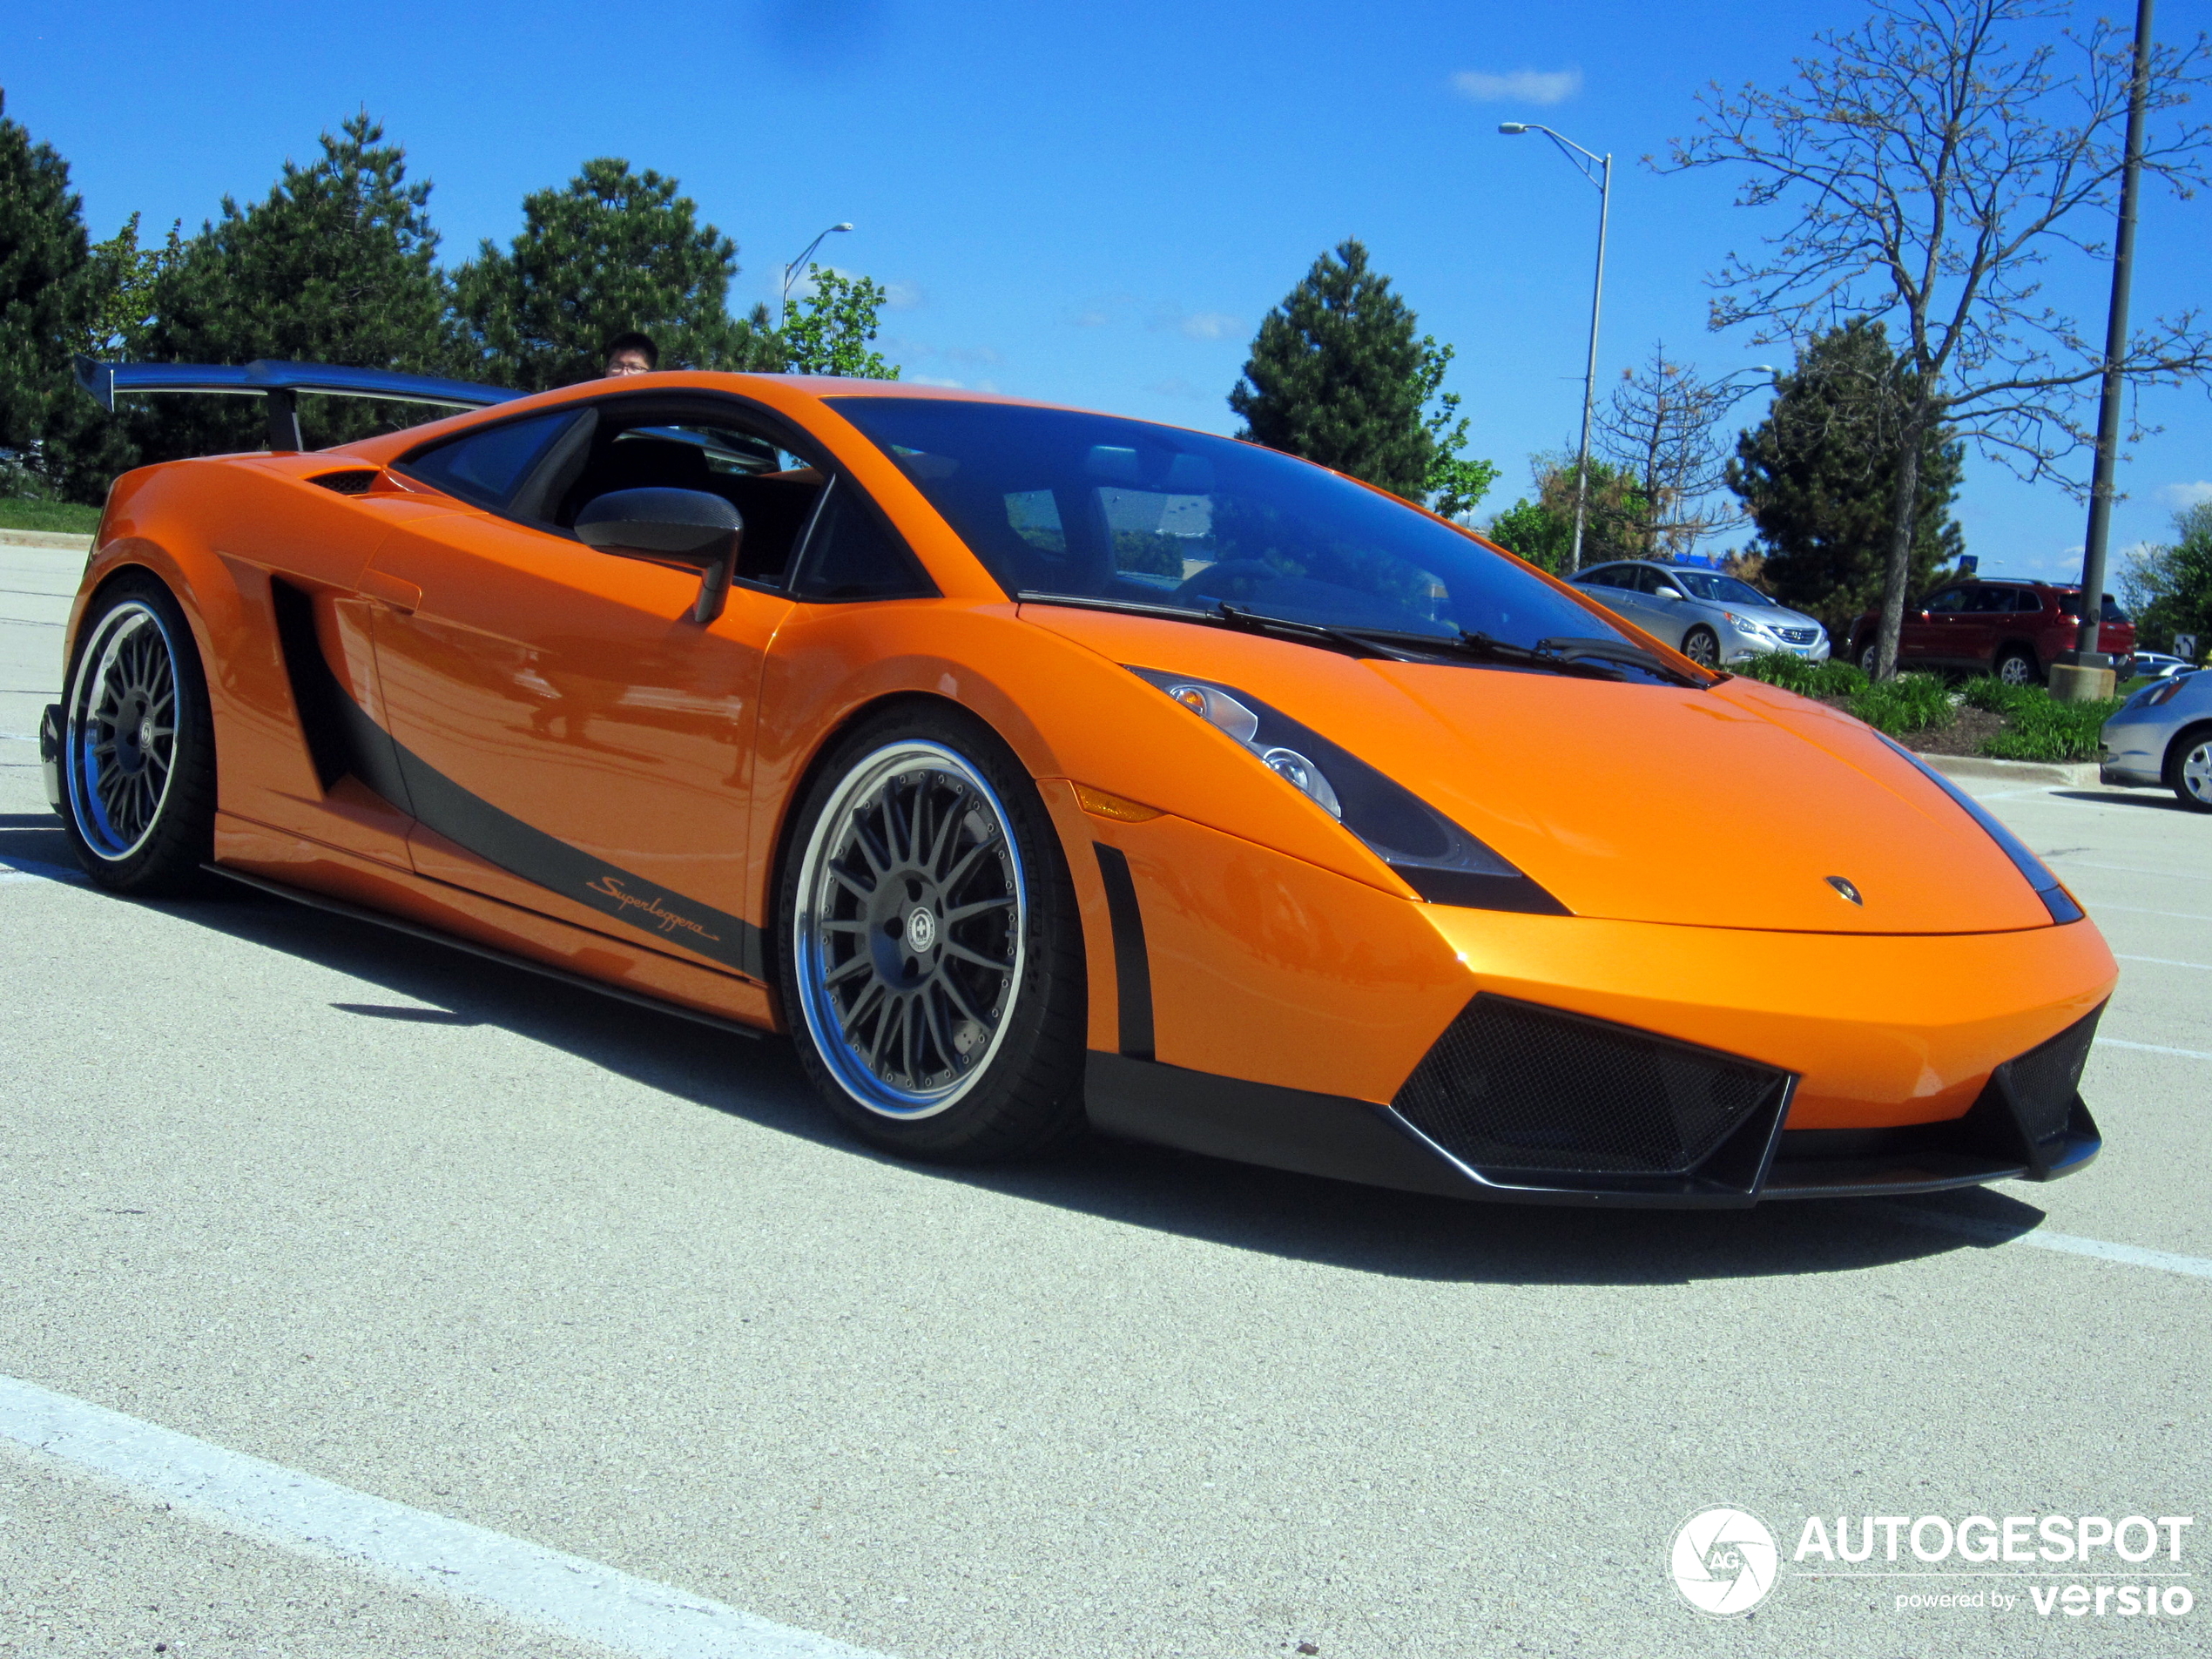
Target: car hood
[(1726, 807)]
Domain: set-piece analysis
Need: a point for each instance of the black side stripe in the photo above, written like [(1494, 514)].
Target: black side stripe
[(343, 739), (1132, 964)]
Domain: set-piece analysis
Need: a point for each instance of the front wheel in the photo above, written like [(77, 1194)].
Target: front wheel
[(1866, 660), (2016, 666), (1703, 646), (138, 745), (2192, 768), (931, 948)]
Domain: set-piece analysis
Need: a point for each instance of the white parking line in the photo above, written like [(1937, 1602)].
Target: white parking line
[(470, 1564), (2152, 1048), (2163, 961), (1993, 1232)]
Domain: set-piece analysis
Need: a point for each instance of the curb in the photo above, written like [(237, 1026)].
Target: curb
[(2074, 774), (60, 539)]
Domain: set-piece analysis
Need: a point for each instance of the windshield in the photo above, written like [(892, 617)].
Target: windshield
[(1721, 590), (1078, 508)]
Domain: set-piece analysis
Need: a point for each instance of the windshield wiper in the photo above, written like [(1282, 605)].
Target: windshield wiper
[(1620, 651), (1224, 615)]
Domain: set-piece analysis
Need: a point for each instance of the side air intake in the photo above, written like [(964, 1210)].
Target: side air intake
[(1516, 1090)]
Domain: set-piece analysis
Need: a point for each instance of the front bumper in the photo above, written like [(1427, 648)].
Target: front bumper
[(2029, 1122), (1739, 647)]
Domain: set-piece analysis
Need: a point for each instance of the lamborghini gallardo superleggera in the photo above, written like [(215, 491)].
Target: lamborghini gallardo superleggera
[(1040, 772)]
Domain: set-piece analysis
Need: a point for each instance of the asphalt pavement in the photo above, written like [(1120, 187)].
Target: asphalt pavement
[(361, 1216)]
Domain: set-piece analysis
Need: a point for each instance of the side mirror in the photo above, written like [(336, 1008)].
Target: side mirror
[(1672, 593), (688, 526)]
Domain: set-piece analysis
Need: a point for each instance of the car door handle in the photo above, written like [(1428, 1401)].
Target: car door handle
[(395, 591)]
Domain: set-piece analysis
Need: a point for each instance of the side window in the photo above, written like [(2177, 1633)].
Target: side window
[(485, 466), (1034, 516), (2027, 599), (851, 555), (1983, 601), (1949, 602), (1605, 576), (1648, 579)]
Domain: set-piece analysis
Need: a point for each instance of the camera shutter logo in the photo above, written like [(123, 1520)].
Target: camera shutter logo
[(1724, 1561)]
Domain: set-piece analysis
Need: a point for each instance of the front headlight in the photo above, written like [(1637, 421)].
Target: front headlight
[(1745, 625), (1430, 853)]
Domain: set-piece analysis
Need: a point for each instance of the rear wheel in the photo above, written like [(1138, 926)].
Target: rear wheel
[(2190, 768), (932, 966), (1866, 661), (2016, 666), (138, 745), (1703, 646)]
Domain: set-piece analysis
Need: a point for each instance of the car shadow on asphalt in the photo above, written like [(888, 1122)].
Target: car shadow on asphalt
[(1239, 1206), (2163, 801)]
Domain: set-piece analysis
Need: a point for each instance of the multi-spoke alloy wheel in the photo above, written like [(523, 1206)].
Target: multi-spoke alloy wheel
[(121, 739), (2193, 772), (932, 953), (137, 747), (910, 941)]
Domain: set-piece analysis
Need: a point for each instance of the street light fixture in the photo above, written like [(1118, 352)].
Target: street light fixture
[(793, 266), (1599, 171)]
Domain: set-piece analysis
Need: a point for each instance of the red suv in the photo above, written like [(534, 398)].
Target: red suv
[(2013, 629)]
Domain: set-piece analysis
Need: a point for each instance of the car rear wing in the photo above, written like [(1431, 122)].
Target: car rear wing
[(280, 384)]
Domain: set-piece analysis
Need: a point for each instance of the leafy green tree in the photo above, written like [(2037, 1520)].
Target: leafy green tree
[(1338, 375), (337, 266), (831, 335), (610, 251), (56, 440), (1456, 481), (1616, 523), (125, 278), (2170, 587), (1818, 475)]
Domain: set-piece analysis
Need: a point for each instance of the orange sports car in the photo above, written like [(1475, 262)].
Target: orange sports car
[(1038, 771)]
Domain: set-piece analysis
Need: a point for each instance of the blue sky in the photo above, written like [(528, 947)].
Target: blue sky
[(1085, 204)]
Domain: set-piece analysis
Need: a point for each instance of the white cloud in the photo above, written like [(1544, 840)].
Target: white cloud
[(1522, 86), (2184, 497), (904, 296), (932, 380), (1212, 325)]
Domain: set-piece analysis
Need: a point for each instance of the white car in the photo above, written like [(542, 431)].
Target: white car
[(1709, 618), (2157, 665)]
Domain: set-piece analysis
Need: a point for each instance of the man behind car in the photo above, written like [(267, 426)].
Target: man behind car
[(631, 354)]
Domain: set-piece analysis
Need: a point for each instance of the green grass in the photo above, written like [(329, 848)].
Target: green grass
[(1793, 673), (1909, 704), (17, 514)]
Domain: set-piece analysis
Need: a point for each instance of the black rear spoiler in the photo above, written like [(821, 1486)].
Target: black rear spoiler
[(281, 384)]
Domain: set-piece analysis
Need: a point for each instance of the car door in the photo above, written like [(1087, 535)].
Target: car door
[(1667, 618), (570, 739), (1613, 586), (1925, 637)]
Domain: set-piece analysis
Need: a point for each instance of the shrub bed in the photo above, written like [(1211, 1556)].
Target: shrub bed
[(2035, 726)]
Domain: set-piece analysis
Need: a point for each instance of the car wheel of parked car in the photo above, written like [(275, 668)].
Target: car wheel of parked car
[(1866, 661), (2190, 768), (1703, 646), (931, 948), (138, 745), (2016, 666)]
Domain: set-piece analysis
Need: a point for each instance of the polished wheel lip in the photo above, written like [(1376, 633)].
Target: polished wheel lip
[(2197, 772), (815, 927), (119, 731)]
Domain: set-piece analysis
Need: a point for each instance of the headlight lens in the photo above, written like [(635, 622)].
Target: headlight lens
[(1745, 625), (1433, 856)]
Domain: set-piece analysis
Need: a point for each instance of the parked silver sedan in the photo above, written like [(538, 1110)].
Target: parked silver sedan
[(2162, 738), (1709, 618)]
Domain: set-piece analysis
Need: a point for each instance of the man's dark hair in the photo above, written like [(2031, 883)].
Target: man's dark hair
[(632, 342)]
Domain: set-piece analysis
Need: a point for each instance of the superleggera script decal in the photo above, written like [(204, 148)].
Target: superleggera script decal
[(608, 886)]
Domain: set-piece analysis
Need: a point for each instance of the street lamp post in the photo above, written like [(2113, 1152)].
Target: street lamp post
[(791, 269), (1599, 171)]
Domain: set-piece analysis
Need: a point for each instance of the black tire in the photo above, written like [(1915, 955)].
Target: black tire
[(2016, 665), (137, 796), (2189, 768), (928, 945), (1703, 646)]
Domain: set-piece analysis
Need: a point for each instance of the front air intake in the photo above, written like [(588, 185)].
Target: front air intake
[(1516, 1088)]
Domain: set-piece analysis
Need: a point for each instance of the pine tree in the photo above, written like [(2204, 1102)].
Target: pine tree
[(1336, 375), (337, 266), (1817, 475), (58, 441), (611, 251)]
